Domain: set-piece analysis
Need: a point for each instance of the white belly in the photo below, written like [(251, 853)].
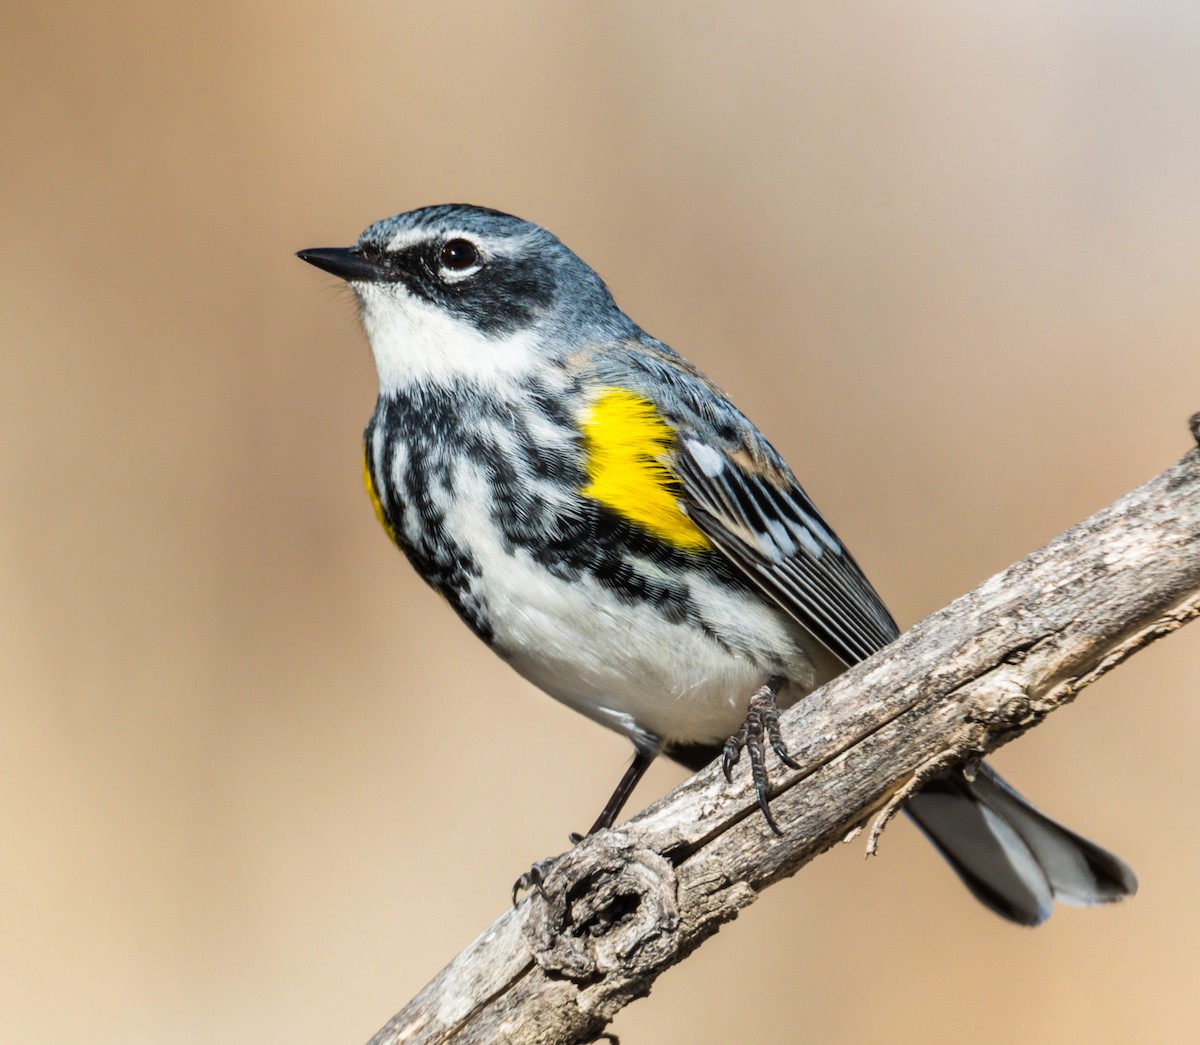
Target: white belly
[(623, 663), (628, 668)]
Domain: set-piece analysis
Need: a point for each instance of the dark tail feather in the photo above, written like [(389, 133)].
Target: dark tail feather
[(1015, 860)]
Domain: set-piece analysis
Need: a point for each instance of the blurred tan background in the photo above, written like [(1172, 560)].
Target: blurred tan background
[(256, 783)]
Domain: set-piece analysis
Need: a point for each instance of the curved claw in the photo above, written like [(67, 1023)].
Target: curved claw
[(732, 752), (764, 805), (532, 879), (770, 718), (784, 757)]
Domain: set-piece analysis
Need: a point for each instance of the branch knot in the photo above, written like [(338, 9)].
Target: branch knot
[(609, 905)]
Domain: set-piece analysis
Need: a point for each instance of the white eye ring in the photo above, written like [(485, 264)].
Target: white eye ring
[(458, 259)]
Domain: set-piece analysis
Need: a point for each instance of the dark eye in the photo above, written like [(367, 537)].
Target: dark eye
[(458, 255)]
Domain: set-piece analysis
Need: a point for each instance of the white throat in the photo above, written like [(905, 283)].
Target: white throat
[(415, 342)]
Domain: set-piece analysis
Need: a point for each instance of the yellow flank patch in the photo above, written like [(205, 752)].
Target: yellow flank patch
[(625, 441), (369, 483)]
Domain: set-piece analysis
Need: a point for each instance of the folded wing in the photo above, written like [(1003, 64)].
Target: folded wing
[(754, 511)]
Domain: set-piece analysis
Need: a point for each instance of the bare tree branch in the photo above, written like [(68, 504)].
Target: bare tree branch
[(624, 905)]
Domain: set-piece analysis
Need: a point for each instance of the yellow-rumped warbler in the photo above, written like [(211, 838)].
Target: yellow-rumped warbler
[(602, 516)]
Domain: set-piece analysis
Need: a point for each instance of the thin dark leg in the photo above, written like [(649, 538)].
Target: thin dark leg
[(536, 875), (635, 772)]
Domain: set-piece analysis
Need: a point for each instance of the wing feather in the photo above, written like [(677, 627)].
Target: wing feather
[(777, 537)]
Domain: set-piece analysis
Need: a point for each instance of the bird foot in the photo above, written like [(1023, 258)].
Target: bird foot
[(762, 723), (533, 879)]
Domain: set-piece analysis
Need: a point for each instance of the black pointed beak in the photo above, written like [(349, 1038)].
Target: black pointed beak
[(344, 262)]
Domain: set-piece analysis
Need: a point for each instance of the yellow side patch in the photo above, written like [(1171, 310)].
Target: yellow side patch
[(369, 483), (625, 441)]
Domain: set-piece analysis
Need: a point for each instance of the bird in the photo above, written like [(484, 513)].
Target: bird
[(598, 512)]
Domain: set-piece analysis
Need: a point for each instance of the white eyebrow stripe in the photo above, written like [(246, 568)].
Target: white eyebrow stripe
[(506, 246), (407, 237)]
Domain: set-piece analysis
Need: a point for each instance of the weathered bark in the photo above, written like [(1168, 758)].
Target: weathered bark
[(625, 905)]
